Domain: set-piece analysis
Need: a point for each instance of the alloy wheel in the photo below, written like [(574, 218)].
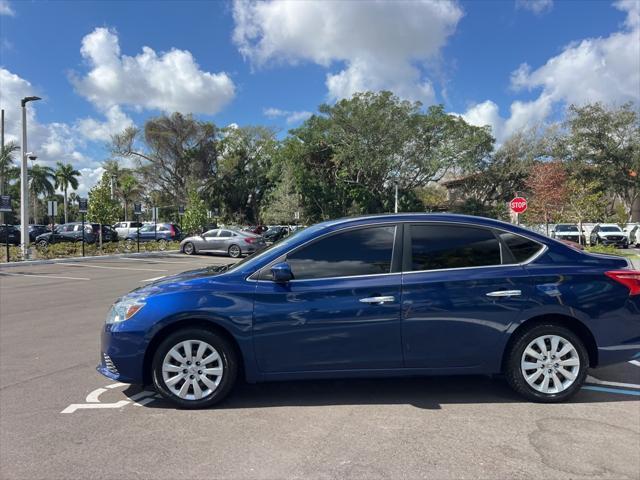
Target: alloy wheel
[(192, 369), (550, 364)]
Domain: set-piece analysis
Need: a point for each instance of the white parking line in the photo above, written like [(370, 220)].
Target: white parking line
[(153, 279), (43, 276), (159, 261), (93, 397), (112, 268), (591, 379)]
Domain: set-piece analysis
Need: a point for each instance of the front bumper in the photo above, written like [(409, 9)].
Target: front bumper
[(122, 354), (617, 243)]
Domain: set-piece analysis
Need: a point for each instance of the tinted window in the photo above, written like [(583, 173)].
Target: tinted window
[(211, 234), (225, 233), (610, 229), (566, 228), (364, 251), (449, 246), (147, 228), (521, 248)]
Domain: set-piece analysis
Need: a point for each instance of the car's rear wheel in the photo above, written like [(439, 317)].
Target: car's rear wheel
[(234, 251), (194, 368), (189, 248), (42, 244), (547, 363)]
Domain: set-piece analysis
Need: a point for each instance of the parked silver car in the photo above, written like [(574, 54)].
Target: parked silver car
[(222, 240)]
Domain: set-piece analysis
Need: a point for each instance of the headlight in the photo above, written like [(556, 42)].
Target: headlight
[(124, 309)]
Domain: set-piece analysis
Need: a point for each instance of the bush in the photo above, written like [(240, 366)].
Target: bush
[(68, 250), (609, 250)]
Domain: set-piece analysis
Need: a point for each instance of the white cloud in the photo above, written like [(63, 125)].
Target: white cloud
[(5, 8), (593, 70), (51, 142), (536, 6), (169, 81), (382, 45), (116, 122), (291, 117)]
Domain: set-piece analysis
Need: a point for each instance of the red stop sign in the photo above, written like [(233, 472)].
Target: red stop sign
[(518, 205)]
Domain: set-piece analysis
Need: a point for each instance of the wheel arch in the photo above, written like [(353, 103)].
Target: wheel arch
[(205, 324), (567, 321)]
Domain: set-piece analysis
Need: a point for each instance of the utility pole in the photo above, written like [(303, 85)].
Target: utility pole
[(2, 179), (396, 206), (24, 187)]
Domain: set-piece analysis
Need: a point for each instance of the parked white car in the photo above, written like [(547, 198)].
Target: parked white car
[(125, 228)]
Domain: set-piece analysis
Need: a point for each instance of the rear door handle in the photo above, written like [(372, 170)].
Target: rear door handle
[(378, 300), (504, 293)]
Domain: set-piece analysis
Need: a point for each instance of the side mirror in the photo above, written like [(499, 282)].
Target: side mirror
[(281, 272)]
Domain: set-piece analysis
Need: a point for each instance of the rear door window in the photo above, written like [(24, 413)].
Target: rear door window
[(442, 246), (520, 247)]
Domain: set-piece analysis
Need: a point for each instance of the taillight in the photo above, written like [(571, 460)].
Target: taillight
[(249, 239), (173, 231), (629, 278)]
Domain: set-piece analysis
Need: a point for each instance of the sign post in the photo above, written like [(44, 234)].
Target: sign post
[(52, 211), (5, 207), (180, 214), (137, 211), (82, 208), (155, 223), (518, 205)]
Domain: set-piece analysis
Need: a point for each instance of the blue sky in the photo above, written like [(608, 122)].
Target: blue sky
[(509, 64)]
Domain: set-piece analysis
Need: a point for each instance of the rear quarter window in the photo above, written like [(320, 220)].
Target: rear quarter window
[(520, 247)]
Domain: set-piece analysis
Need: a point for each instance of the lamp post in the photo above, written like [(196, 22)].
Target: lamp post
[(24, 188)]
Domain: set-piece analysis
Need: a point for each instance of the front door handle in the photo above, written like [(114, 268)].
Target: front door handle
[(378, 300), (504, 293)]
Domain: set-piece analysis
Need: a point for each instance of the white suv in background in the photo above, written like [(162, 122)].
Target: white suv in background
[(125, 228), (609, 234)]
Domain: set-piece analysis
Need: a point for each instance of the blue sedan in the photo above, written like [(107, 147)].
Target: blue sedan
[(379, 296)]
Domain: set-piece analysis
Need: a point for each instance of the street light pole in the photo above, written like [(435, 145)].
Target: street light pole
[(24, 187), (396, 203)]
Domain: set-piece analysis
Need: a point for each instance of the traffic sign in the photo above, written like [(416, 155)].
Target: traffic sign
[(180, 210), (5, 203), (82, 205), (518, 205), (52, 208), (137, 208)]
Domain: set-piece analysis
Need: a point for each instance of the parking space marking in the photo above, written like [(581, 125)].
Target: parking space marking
[(153, 279), (160, 261), (611, 390), (43, 276), (93, 399), (93, 396), (112, 268), (591, 379)]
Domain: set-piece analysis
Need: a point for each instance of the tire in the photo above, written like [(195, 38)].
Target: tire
[(189, 248), (516, 361), (234, 251), (164, 365), (162, 244), (42, 244)]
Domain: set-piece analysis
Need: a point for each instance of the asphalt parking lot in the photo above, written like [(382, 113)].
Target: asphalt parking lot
[(60, 419)]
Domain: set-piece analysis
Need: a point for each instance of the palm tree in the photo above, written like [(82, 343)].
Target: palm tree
[(40, 183), (130, 189), (7, 169), (65, 176)]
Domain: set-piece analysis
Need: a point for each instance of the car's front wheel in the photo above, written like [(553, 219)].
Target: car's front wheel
[(547, 363), (194, 368)]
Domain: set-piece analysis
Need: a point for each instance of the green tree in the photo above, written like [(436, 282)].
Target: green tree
[(195, 214), (129, 191), (171, 152), (102, 208), (584, 202), (283, 200), (41, 181), (65, 177), (605, 142)]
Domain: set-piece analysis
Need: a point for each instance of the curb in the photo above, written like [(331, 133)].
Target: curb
[(89, 257)]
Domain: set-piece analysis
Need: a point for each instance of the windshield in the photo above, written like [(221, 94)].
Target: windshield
[(610, 229), (566, 228)]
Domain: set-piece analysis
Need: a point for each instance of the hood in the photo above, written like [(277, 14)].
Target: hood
[(179, 280)]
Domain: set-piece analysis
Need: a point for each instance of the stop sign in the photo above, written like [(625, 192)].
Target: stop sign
[(518, 205)]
